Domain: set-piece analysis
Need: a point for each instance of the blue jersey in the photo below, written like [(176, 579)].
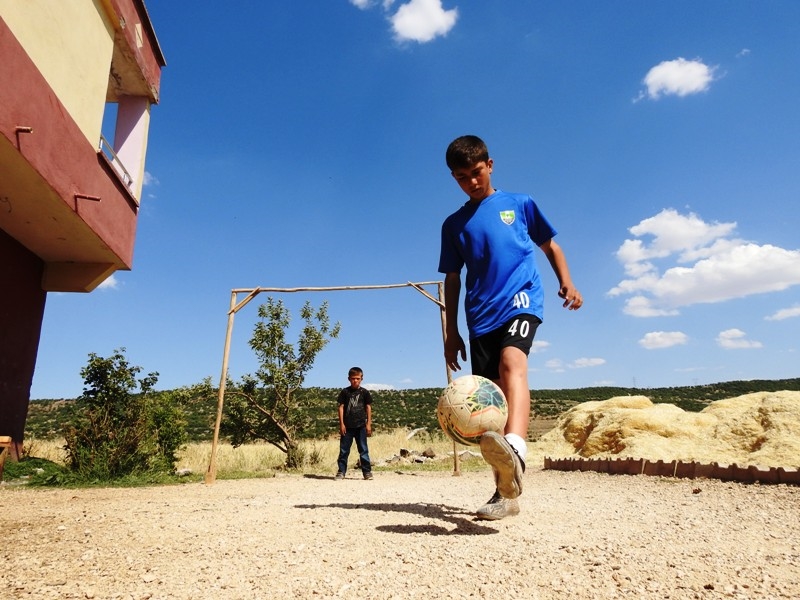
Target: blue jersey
[(496, 240)]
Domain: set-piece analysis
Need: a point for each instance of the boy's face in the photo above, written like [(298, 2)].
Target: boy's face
[(475, 180), (355, 380)]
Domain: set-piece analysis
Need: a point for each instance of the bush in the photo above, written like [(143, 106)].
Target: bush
[(113, 431)]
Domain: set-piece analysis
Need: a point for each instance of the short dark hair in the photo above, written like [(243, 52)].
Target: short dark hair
[(355, 371), (466, 151)]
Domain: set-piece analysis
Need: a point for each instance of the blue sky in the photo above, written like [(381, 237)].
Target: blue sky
[(302, 144)]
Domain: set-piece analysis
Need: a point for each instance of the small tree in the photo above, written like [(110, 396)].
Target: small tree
[(114, 431), (262, 407)]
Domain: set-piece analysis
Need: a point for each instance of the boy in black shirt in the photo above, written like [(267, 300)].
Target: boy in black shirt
[(355, 423)]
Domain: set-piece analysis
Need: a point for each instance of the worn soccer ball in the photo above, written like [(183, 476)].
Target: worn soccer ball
[(469, 407)]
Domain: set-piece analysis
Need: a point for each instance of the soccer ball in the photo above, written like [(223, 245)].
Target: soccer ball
[(469, 407)]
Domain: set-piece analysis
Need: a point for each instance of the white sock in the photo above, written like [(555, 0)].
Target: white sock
[(518, 444)]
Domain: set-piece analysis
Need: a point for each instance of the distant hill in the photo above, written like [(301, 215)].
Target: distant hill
[(414, 408)]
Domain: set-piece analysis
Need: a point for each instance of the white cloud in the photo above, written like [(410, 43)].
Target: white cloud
[(784, 313), (702, 265), (640, 306), (377, 386), (582, 363), (415, 20), (538, 346), (679, 77), (734, 339), (149, 179), (559, 366), (110, 283), (672, 232), (743, 52), (663, 339), (422, 20), (691, 369)]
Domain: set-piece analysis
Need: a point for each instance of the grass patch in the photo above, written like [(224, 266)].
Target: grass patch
[(45, 460), (31, 469)]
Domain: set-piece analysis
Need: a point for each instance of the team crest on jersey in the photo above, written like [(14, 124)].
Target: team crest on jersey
[(507, 216)]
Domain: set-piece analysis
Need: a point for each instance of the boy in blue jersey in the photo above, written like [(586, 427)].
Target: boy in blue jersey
[(494, 235)]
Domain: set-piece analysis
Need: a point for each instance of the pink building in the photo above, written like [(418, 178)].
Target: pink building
[(69, 198)]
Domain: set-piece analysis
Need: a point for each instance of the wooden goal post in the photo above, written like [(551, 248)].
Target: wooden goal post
[(211, 473)]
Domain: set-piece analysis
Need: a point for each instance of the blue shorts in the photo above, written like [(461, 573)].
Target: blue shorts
[(484, 351)]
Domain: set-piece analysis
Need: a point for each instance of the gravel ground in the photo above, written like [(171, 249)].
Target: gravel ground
[(579, 536)]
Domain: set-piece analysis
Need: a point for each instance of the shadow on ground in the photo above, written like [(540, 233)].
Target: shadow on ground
[(464, 521)]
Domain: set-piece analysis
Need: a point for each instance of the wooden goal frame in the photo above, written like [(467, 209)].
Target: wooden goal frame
[(211, 473)]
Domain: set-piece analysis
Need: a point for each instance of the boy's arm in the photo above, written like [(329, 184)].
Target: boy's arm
[(342, 428), (369, 419), (566, 289), (453, 342)]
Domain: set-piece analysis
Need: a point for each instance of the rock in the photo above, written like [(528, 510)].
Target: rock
[(762, 429)]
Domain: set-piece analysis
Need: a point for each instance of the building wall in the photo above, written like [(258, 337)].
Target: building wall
[(71, 42), (43, 174), (69, 211)]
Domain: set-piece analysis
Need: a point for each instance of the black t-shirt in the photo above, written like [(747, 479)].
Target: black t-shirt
[(355, 402)]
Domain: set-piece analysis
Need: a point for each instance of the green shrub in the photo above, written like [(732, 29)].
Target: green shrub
[(114, 431)]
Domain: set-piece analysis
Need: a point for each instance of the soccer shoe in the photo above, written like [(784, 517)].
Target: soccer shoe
[(498, 508), (505, 462)]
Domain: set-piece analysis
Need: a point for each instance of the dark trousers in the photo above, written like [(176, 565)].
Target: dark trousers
[(359, 434)]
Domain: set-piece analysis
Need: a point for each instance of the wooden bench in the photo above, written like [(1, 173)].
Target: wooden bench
[(5, 444)]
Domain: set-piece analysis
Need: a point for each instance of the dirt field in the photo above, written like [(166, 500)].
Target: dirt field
[(579, 536)]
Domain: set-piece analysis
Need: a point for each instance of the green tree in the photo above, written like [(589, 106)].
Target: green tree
[(264, 406), (119, 426)]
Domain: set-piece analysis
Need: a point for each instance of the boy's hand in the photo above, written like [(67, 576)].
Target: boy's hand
[(453, 346), (572, 297)]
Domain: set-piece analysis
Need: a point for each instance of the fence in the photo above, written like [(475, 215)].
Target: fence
[(676, 468)]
